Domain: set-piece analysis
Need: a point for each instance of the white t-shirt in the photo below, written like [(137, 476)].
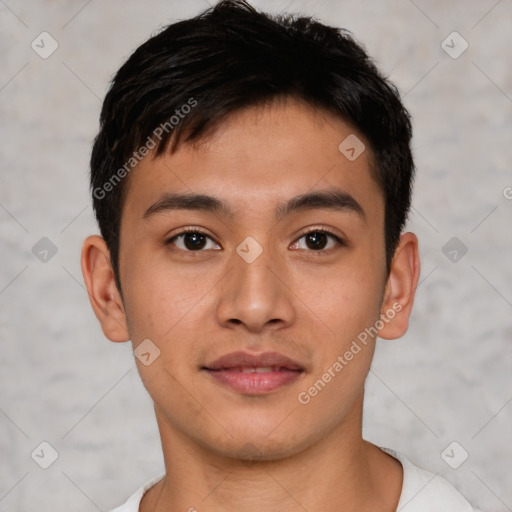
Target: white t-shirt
[(422, 491)]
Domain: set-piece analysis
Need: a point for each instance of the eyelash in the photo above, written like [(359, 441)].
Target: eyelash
[(322, 230)]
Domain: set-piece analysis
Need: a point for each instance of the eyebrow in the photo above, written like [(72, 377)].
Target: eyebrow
[(336, 200)]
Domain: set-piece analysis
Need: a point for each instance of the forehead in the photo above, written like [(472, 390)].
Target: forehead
[(261, 155)]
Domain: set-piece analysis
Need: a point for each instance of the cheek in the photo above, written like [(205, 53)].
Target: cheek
[(160, 297), (344, 298), (348, 307)]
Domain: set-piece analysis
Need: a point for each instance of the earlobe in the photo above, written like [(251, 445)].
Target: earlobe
[(103, 293), (400, 288)]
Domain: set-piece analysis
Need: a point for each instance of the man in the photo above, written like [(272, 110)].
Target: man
[(251, 179)]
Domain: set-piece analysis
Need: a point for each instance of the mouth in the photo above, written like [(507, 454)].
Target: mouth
[(254, 374)]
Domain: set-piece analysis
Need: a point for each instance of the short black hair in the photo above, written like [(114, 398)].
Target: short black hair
[(183, 82)]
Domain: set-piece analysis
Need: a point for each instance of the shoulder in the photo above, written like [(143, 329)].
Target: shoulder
[(423, 491), (133, 503)]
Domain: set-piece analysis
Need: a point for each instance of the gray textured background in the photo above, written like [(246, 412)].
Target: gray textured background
[(449, 379)]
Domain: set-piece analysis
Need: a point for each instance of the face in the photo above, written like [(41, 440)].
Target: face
[(264, 246)]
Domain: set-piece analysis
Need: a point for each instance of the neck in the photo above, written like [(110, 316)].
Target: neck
[(340, 471)]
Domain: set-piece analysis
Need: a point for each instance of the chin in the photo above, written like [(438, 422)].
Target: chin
[(258, 451), (257, 444)]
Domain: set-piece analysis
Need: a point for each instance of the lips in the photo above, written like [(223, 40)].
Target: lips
[(236, 361), (254, 373)]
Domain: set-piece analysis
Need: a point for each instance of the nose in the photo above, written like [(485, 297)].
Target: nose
[(255, 296)]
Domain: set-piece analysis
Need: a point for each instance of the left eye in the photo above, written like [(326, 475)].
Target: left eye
[(317, 240)]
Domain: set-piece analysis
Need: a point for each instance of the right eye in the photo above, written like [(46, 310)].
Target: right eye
[(193, 241)]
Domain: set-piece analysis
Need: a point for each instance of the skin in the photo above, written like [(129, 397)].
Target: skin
[(224, 450)]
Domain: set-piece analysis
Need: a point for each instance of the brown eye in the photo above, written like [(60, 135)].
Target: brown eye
[(317, 240), (193, 241)]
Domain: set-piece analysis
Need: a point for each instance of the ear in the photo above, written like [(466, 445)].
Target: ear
[(400, 288), (103, 293)]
